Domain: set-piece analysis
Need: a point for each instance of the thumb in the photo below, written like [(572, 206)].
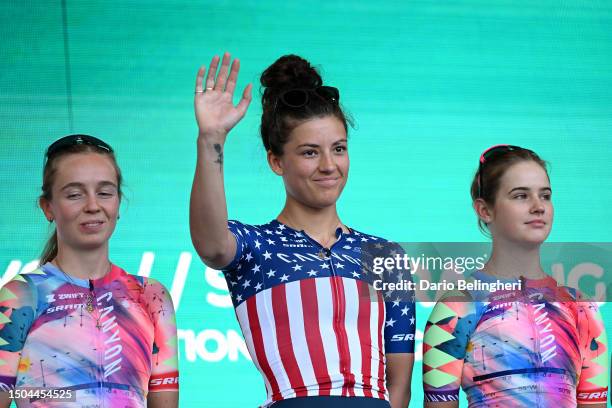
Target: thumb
[(243, 105)]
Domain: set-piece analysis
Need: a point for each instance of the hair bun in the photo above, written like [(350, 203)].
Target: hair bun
[(290, 71)]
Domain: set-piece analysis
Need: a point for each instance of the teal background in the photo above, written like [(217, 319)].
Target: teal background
[(430, 85)]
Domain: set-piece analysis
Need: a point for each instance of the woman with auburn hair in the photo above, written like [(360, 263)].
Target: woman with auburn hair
[(314, 326), (539, 346), (79, 330)]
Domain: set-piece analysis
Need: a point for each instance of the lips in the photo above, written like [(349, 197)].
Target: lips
[(327, 181), (536, 223), (92, 226)]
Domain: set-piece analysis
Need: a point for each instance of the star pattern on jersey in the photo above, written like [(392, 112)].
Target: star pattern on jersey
[(274, 254)]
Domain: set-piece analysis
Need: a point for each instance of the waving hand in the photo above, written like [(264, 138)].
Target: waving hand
[(214, 108)]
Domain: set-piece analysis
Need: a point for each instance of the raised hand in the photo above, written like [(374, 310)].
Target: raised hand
[(214, 108)]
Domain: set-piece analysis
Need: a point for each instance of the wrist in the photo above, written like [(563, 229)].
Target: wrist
[(209, 148), (217, 137)]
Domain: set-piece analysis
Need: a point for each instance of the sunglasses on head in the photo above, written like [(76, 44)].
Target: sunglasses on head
[(73, 140), (491, 152), (298, 97)]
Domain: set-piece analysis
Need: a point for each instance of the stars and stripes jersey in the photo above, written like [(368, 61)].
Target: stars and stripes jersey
[(537, 346), (312, 322), (108, 341)]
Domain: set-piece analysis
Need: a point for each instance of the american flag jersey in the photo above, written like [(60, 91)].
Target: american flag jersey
[(312, 322)]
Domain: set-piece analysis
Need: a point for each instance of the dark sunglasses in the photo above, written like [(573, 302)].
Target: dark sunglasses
[(491, 152), (73, 140), (298, 97)]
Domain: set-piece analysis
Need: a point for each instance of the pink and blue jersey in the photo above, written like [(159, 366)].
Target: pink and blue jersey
[(540, 346), (312, 321), (111, 355)]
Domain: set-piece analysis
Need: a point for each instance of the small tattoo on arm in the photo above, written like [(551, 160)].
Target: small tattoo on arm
[(219, 151)]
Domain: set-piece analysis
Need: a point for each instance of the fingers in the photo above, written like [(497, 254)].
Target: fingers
[(222, 77), (247, 95), (212, 71), (199, 78), (233, 76), (221, 81)]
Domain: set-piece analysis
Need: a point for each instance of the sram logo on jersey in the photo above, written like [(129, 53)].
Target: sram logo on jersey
[(164, 381), (402, 337), (598, 396)]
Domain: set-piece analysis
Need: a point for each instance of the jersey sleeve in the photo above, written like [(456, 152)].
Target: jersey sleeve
[(164, 372), (400, 321), (400, 325), (244, 236), (594, 377), (445, 343), (18, 300)]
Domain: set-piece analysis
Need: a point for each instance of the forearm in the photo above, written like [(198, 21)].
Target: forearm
[(5, 399), (452, 404), (164, 399), (399, 378), (208, 208), (399, 394)]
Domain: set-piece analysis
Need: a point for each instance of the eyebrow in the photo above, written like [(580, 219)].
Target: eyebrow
[(528, 189), (81, 185), (316, 145)]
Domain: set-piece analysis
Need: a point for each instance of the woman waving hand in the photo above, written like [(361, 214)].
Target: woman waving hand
[(314, 327)]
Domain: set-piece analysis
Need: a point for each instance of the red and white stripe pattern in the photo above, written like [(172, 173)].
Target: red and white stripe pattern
[(317, 336), (312, 321)]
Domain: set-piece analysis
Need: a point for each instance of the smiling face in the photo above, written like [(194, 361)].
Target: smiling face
[(84, 200), (523, 210), (315, 162)]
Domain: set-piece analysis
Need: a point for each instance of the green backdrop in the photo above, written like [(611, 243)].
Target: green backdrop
[(430, 85)]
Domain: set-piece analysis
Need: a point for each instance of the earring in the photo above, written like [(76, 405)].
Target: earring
[(118, 216)]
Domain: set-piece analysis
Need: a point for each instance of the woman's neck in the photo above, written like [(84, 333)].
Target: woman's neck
[(319, 224), (83, 264), (509, 260)]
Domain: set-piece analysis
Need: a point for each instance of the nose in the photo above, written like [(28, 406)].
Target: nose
[(92, 204), (537, 206), (327, 163)]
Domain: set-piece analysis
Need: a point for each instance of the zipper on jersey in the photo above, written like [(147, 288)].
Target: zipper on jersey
[(100, 352), (535, 355), (334, 286), (325, 251)]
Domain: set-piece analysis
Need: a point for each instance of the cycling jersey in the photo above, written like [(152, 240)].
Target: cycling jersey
[(312, 322), (110, 340), (537, 346)]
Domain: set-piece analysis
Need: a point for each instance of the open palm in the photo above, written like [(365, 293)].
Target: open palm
[(214, 108)]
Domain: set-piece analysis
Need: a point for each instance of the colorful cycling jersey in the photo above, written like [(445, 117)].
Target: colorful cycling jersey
[(534, 346), (109, 341), (312, 323)]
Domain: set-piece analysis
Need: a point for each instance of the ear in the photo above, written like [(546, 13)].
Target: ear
[(483, 210), (275, 164), (46, 208)]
